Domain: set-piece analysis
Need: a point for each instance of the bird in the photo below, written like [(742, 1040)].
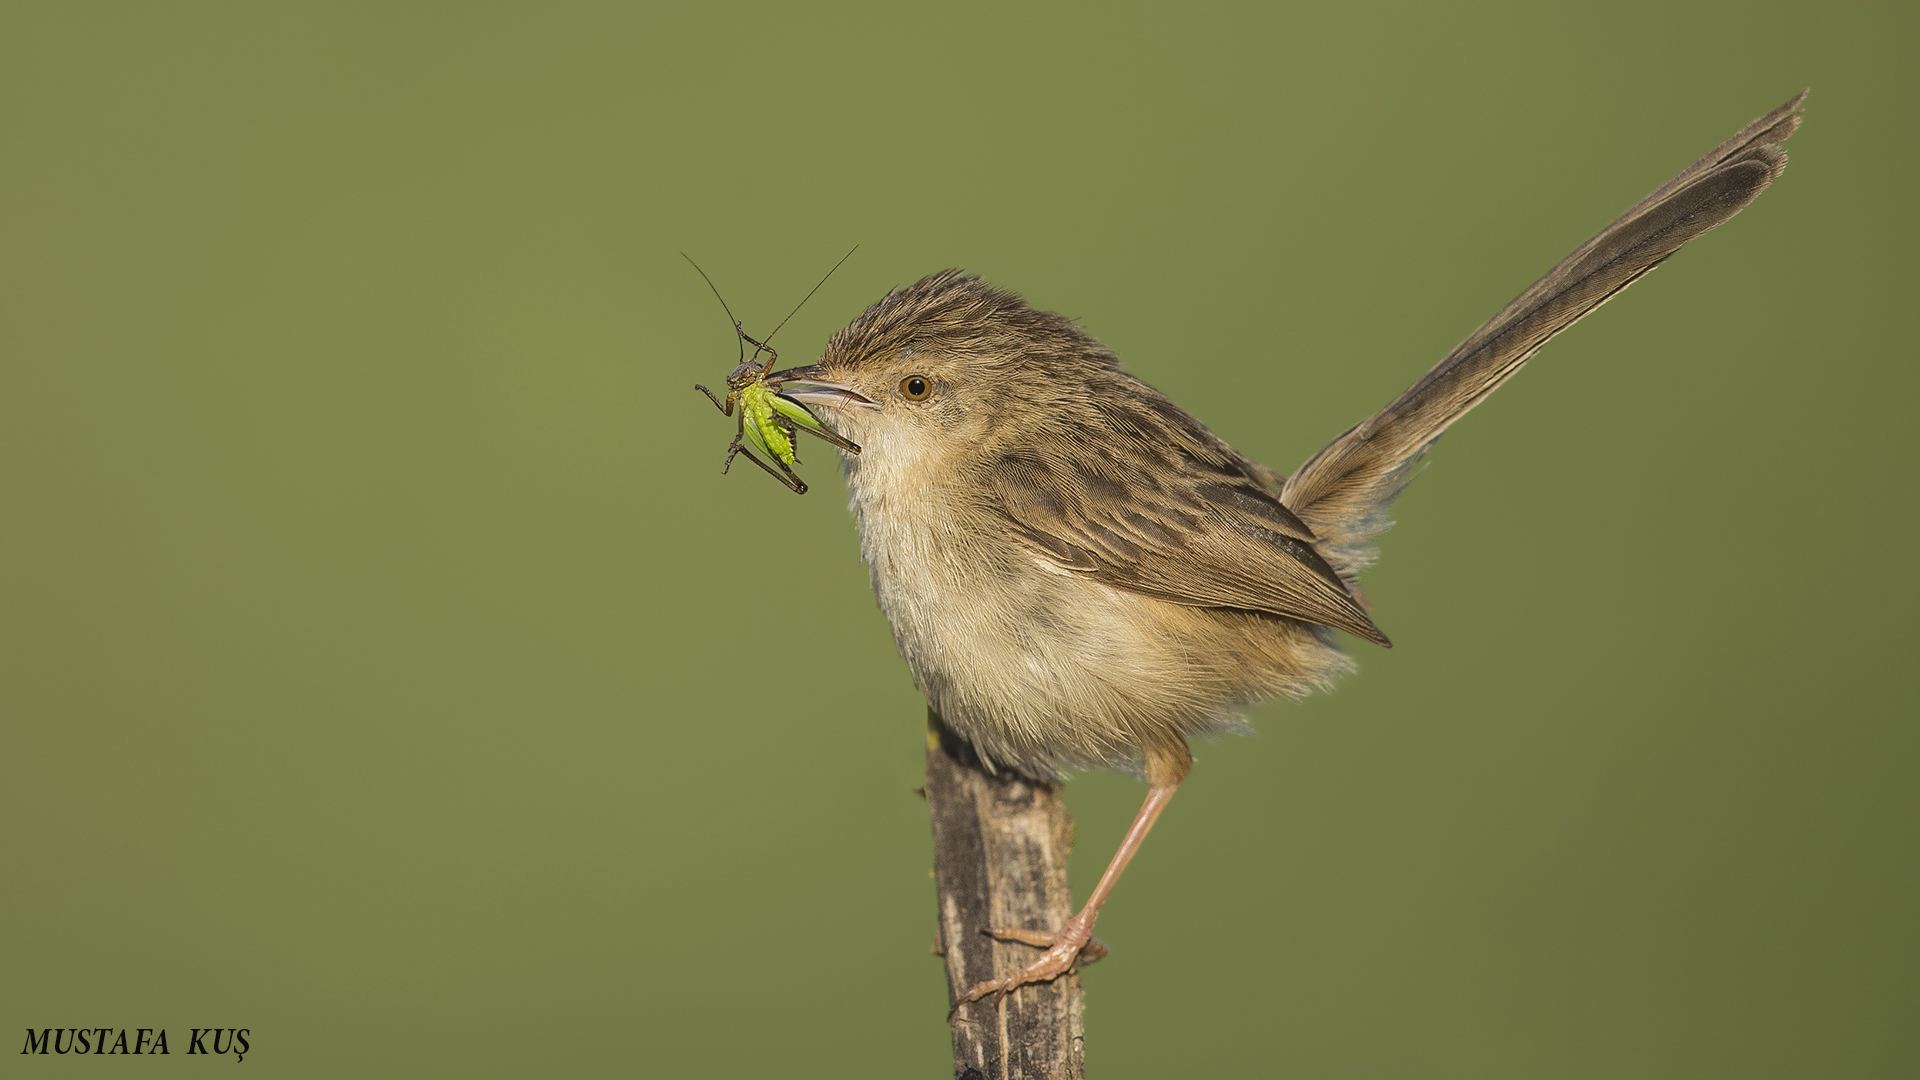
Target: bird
[(1081, 575)]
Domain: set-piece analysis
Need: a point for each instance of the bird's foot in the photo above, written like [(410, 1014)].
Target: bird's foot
[(1094, 949), (1073, 947)]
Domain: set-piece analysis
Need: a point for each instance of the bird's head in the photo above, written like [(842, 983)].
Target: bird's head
[(940, 371)]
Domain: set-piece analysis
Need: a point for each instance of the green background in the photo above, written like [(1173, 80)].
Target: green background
[(387, 669)]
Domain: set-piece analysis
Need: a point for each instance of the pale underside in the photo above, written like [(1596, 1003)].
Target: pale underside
[(1059, 669)]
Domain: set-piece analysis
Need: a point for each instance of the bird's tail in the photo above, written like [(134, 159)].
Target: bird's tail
[(1343, 491)]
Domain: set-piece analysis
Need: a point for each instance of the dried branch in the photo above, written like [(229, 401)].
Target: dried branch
[(1000, 859)]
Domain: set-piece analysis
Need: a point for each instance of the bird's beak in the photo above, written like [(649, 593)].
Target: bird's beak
[(810, 386)]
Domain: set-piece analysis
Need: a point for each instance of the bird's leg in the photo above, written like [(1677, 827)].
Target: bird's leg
[(1065, 947)]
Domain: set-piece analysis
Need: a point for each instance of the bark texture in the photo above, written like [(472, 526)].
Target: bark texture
[(1000, 859)]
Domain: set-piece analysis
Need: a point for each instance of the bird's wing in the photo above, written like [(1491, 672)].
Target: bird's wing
[(1155, 518)]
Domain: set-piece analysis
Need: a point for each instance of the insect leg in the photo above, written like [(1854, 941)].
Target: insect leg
[(783, 474), (734, 447), (725, 410), (758, 346), (793, 444)]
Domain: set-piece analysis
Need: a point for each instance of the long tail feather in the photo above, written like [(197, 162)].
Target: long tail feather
[(1343, 491)]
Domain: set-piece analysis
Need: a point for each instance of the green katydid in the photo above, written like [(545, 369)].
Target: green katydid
[(768, 418)]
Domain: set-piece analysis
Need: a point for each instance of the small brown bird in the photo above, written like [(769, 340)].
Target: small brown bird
[(1081, 574)]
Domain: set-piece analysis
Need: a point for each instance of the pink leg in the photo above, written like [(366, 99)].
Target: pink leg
[(1065, 947)]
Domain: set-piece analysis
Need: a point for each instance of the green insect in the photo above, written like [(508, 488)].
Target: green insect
[(768, 418)]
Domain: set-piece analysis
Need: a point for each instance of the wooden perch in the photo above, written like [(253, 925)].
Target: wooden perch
[(1000, 859)]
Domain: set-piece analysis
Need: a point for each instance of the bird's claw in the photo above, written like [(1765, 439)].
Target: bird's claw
[(1093, 950), (1072, 948)]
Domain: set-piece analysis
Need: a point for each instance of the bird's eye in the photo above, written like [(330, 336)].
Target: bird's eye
[(916, 388)]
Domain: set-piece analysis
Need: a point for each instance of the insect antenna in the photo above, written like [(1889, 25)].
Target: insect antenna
[(739, 335), (810, 292)]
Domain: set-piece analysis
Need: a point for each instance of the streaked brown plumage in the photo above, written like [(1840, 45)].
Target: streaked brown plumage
[(1080, 573)]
